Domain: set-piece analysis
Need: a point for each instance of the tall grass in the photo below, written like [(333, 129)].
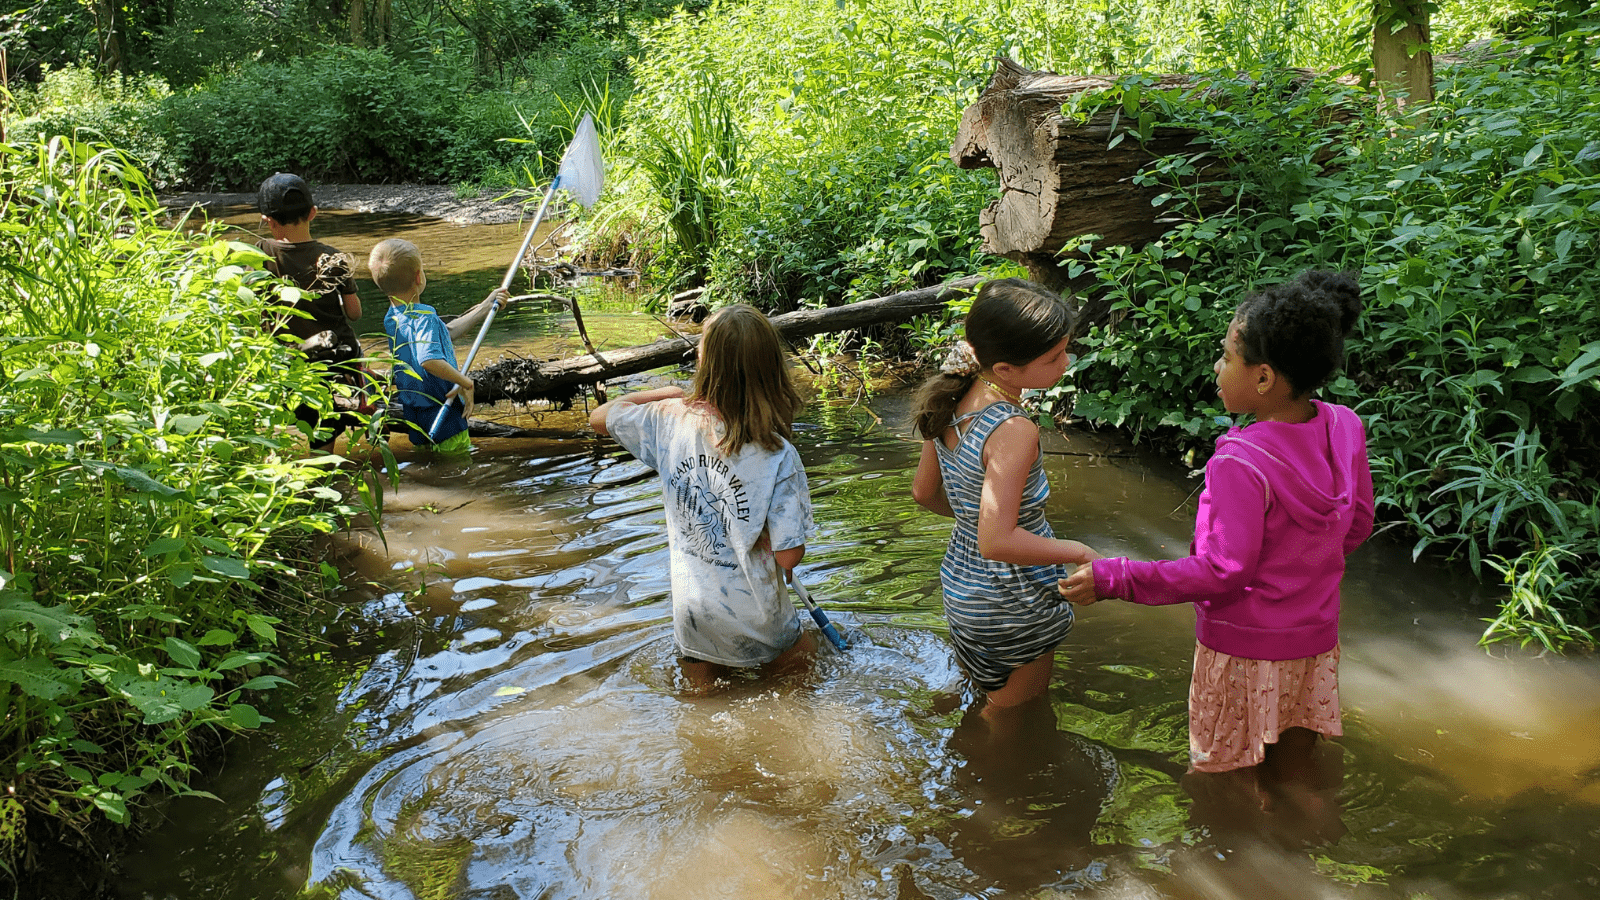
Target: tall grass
[(153, 523), (693, 168)]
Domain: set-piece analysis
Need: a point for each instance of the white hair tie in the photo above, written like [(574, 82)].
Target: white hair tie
[(960, 360)]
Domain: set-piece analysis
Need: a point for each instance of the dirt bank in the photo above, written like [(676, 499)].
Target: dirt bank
[(439, 201)]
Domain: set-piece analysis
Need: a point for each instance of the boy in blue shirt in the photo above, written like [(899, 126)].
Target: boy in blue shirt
[(423, 346)]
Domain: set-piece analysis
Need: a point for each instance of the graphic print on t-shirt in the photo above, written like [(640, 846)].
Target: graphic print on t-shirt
[(709, 496)]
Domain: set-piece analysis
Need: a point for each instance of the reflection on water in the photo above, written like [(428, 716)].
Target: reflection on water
[(514, 725), (501, 716)]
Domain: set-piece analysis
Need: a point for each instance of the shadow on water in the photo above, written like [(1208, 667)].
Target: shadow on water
[(500, 716)]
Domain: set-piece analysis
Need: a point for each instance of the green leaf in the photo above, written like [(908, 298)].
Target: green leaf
[(138, 480), (1531, 375), (227, 566), (262, 626), (244, 715), (194, 696), (263, 683), (218, 637), (113, 805), (158, 700), (239, 659), (183, 653), (55, 624), (189, 424), (39, 678), (163, 546), (67, 436)]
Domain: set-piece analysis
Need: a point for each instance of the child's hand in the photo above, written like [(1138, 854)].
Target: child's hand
[(1078, 588), (500, 297), (465, 390)]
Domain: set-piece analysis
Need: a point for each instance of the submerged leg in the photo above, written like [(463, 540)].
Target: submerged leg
[(1027, 681)]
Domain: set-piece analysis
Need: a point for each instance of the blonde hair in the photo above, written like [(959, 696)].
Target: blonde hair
[(395, 265), (743, 374)]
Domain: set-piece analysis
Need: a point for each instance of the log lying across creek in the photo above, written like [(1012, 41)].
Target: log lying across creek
[(560, 381)]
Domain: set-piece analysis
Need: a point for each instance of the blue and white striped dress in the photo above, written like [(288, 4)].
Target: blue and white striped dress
[(1001, 615)]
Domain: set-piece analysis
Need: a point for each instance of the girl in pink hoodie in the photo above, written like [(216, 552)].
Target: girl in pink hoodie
[(1286, 499)]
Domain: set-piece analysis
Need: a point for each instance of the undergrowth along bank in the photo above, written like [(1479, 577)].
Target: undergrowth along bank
[(1472, 226), (156, 505)]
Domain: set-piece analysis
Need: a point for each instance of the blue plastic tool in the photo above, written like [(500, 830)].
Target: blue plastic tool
[(832, 633)]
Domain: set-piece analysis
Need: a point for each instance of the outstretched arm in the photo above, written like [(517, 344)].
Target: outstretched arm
[(597, 418), (468, 322)]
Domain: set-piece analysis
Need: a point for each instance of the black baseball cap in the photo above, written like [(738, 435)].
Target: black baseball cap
[(285, 197)]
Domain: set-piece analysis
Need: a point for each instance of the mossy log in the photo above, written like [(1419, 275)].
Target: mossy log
[(561, 380)]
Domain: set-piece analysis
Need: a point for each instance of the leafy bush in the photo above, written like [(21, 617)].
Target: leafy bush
[(152, 519), (1472, 227), (846, 112), (124, 112)]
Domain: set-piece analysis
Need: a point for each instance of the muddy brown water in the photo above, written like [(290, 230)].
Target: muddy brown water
[(499, 716)]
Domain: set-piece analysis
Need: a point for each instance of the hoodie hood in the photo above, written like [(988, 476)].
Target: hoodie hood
[(1307, 466)]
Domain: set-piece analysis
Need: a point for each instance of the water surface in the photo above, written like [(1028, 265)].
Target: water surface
[(498, 715)]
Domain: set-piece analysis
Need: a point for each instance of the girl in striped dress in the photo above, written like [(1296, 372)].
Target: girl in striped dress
[(981, 465)]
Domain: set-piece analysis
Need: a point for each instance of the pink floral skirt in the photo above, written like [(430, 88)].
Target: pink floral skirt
[(1238, 706)]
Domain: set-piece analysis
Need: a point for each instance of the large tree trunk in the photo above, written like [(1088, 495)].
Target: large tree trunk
[(559, 381), (1059, 180), (1403, 77)]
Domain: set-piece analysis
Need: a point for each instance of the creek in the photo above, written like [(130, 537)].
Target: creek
[(497, 712)]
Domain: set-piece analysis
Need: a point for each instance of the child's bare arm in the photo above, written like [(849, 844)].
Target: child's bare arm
[(467, 322), (1008, 456), (790, 558), (597, 418), (463, 384), (928, 486)]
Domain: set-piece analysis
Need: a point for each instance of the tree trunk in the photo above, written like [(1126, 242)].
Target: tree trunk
[(382, 21), (1059, 179), (523, 380), (1403, 78), (108, 34), (358, 22)]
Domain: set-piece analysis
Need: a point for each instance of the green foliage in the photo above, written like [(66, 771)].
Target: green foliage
[(347, 113), (1472, 228), (693, 167), (846, 112), (149, 508), (121, 111)]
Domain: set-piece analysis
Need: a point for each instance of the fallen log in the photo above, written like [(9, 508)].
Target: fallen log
[(1062, 179), (1059, 179), (560, 381)]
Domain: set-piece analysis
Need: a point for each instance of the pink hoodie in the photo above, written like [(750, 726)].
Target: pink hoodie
[(1282, 507)]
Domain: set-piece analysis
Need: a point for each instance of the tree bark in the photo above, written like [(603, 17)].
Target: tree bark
[(1060, 180), (358, 21), (1404, 78), (560, 381)]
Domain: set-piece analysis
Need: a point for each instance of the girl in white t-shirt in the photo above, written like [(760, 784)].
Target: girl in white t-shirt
[(737, 503)]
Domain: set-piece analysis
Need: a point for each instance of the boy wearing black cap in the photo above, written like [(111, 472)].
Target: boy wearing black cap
[(328, 291)]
